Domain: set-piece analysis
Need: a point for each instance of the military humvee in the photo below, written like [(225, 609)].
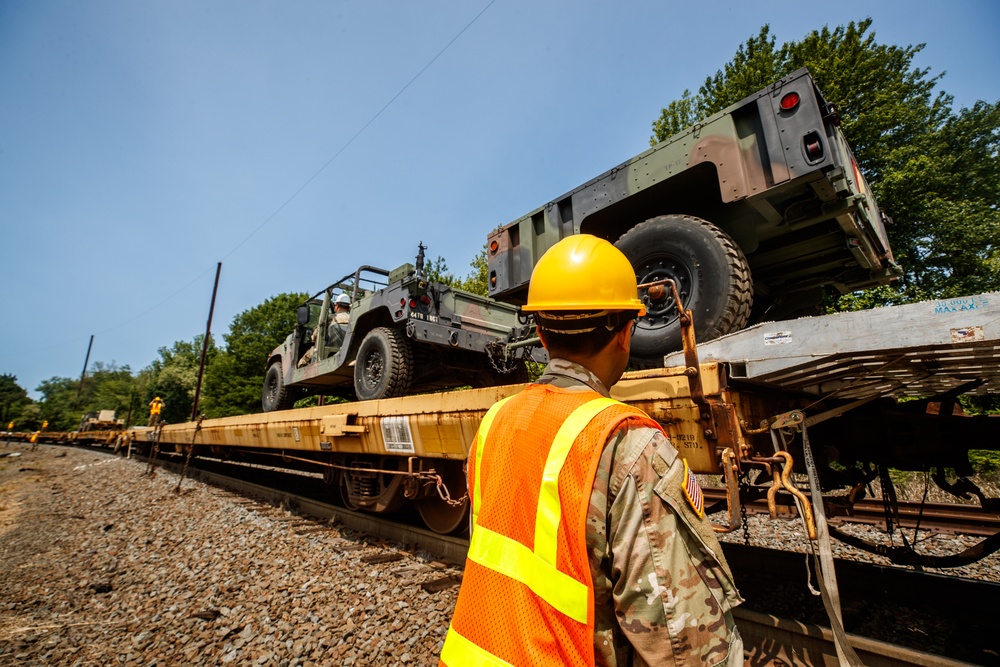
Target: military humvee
[(753, 212), (103, 420), (406, 334)]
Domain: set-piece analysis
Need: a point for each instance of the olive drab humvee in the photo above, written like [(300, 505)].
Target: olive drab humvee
[(406, 334), (753, 212)]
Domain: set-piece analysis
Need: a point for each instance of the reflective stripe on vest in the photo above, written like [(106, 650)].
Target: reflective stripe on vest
[(534, 568), (484, 428), (537, 569), (458, 650)]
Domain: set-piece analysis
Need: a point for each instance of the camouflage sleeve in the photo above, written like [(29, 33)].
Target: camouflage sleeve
[(667, 583)]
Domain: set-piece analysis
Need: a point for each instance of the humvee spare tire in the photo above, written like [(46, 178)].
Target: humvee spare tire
[(384, 366), (712, 277), (276, 395)]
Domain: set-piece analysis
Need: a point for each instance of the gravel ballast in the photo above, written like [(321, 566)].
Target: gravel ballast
[(103, 565)]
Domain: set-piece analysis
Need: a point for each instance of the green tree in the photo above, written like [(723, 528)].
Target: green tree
[(755, 65), (58, 404), (109, 387), (437, 271), (64, 401), (173, 378), (235, 378), (475, 282), (932, 169), (13, 399)]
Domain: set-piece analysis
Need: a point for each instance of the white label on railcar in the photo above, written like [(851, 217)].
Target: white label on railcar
[(295, 433), (396, 434), (778, 338), (967, 335)]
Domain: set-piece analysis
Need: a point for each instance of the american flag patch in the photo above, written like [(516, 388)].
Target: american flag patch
[(693, 492)]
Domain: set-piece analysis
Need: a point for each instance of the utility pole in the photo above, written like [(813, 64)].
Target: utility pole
[(84, 373), (204, 345)]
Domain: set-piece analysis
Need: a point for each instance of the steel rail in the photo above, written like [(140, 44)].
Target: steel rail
[(933, 517), (779, 641), (769, 640), (447, 547)]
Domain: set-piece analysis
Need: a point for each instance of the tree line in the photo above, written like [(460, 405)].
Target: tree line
[(234, 375), (934, 170)]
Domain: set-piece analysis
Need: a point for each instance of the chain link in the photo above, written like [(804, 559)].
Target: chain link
[(744, 487), (445, 496), (502, 361), (154, 450)]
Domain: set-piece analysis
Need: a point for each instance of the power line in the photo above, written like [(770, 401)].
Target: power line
[(295, 194), (361, 131)]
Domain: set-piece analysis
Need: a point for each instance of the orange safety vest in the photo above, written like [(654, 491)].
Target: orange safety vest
[(155, 407), (527, 596)]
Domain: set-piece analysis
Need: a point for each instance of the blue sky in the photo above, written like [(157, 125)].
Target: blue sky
[(143, 142)]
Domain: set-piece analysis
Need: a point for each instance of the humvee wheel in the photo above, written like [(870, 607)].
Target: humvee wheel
[(384, 367), (712, 277), (276, 395), (441, 516)]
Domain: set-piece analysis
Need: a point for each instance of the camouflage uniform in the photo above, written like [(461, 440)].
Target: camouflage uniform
[(337, 329), (669, 584), (308, 356)]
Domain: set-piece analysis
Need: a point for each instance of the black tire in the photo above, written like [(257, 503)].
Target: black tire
[(276, 396), (384, 366), (712, 277)]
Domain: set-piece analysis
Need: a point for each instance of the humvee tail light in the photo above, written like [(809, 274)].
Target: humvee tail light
[(790, 101)]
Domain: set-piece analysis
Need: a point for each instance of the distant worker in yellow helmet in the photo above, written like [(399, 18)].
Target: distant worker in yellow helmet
[(589, 543), (155, 408)]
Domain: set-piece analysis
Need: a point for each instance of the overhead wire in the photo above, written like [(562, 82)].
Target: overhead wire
[(361, 131), (297, 192)]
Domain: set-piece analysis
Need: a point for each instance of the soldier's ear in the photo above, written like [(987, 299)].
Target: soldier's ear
[(623, 339), (541, 337)]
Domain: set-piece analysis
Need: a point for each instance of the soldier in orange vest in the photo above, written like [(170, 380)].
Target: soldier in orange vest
[(589, 543)]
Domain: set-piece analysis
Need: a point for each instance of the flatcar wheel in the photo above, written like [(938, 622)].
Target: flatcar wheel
[(439, 515)]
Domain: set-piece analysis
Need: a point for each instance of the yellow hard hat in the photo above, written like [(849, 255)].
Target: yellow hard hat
[(583, 272)]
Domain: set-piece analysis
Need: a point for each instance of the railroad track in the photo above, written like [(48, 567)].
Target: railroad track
[(770, 639), (938, 517)]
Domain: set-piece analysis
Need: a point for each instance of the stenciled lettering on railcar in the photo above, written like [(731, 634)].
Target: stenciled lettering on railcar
[(960, 304), (396, 435)]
